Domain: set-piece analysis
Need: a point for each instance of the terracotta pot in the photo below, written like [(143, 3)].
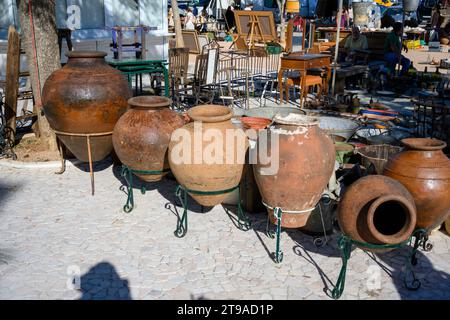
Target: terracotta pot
[(201, 164), (306, 160), (377, 210), (250, 195), (255, 123), (425, 171), (141, 136), (86, 96)]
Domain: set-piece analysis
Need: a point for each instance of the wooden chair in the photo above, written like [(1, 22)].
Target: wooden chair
[(178, 71), (313, 78), (289, 36), (311, 81)]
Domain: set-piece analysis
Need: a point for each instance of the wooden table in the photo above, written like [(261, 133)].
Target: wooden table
[(137, 67), (302, 63)]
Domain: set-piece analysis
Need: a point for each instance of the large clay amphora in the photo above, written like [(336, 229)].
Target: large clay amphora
[(141, 136), (207, 155), (85, 97), (425, 171), (300, 162), (377, 210)]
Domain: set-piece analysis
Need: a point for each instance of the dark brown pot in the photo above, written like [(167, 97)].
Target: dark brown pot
[(249, 192), (187, 155), (306, 163), (425, 171), (377, 210), (141, 136), (86, 96)]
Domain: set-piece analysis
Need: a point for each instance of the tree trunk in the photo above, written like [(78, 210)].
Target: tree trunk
[(42, 51), (177, 22), (281, 6)]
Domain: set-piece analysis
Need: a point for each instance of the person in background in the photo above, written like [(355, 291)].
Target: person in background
[(344, 18), (229, 18), (298, 23), (387, 21), (249, 7), (170, 18), (393, 50), (203, 19), (190, 20), (350, 15), (356, 41)]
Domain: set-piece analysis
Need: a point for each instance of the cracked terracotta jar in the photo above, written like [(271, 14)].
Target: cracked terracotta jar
[(86, 96), (377, 210), (425, 171), (208, 154), (302, 159), (141, 136)]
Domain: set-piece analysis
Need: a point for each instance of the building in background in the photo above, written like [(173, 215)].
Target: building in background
[(91, 20)]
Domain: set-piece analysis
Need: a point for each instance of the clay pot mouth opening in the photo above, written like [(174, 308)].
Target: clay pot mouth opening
[(424, 144), (391, 219), (86, 54), (210, 113), (149, 102), (294, 119)]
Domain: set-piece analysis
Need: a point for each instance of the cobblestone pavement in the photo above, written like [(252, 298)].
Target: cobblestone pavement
[(51, 228)]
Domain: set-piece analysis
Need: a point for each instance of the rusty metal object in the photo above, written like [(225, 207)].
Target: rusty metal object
[(189, 163), (377, 210), (425, 171), (141, 136), (306, 160), (86, 96)]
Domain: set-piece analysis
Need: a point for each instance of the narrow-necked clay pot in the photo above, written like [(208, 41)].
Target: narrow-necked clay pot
[(377, 210), (141, 136), (189, 154), (425, 171)]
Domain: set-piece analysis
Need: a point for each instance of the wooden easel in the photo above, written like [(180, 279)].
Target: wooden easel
[(255, 29), (253, 32)]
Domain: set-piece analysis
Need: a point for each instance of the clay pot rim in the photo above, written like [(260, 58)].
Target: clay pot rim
[(424, 144), (301, 120), (405, 232), (86, 54), (210, 113), (149, 102)]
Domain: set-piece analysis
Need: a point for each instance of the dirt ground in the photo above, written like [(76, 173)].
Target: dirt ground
[(30, 149)]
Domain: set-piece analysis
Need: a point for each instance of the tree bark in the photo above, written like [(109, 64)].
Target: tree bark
[(177, 22), (43, 57)]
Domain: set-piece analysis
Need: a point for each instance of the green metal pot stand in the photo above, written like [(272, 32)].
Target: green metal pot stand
[(127, 173), (181, 193), (278, 214), (345, 244)]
